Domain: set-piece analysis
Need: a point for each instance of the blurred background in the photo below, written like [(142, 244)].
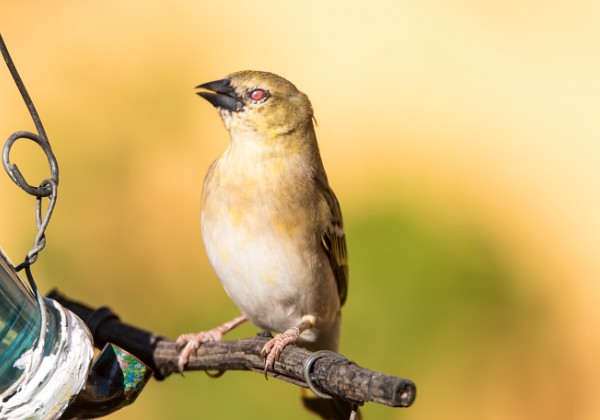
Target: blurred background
[(462, 140)]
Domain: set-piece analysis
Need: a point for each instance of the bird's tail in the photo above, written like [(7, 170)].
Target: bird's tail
[(333, 409)]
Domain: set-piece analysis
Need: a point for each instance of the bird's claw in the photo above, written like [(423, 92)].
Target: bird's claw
[(188, 344), (272, 349), (270, 353)]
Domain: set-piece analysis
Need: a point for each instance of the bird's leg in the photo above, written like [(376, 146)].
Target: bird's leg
[(189, 343), (273, 348)]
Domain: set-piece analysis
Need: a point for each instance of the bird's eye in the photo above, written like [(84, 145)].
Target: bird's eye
[(258, 94)]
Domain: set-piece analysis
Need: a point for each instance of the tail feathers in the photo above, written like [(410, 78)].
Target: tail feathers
[(333, 409)]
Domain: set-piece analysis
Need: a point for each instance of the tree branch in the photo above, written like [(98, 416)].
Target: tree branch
[(333, 374)]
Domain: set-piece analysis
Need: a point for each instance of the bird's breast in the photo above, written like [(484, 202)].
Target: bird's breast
[(262, 241)]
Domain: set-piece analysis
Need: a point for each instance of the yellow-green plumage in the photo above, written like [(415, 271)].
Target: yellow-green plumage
[(271, 225)]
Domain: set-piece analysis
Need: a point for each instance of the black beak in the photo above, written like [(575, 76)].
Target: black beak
[(222, 95)]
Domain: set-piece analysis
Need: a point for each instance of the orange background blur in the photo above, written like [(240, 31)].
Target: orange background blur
[(461, 137)]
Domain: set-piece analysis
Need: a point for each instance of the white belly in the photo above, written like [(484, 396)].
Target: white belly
[(267, 276), (267, 254)]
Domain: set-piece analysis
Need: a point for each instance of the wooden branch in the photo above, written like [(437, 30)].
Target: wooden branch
[(333, 374)]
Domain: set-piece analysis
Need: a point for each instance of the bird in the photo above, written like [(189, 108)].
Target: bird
[(271, 225)]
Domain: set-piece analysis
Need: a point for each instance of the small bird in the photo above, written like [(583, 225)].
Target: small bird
[(271, 225)]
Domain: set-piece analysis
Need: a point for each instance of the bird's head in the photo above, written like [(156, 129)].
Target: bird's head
[(258, 101)]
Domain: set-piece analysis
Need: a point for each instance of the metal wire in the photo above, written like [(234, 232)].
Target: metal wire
[(48, 187), (13, 170), (308, 364)]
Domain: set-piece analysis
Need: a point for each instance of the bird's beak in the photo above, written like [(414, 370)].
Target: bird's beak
[(221, 95)]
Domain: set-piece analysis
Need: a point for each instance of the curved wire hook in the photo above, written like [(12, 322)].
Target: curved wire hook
[(48, 187), (41, 139), (13, 170), (307, 367), (308, 364)]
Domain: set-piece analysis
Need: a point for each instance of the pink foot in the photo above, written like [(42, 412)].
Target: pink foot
[(189, 343), (273, 348)]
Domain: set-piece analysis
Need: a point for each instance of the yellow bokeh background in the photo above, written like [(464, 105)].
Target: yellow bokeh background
[(461, 137)]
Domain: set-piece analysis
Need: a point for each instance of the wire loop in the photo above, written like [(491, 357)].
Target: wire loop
[(48, 187), (308, 364), (13, 170)]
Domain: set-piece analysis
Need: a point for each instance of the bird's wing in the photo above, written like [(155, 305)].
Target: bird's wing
[(334, 242)]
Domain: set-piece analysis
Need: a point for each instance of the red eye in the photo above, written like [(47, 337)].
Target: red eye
[(258, 94)]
